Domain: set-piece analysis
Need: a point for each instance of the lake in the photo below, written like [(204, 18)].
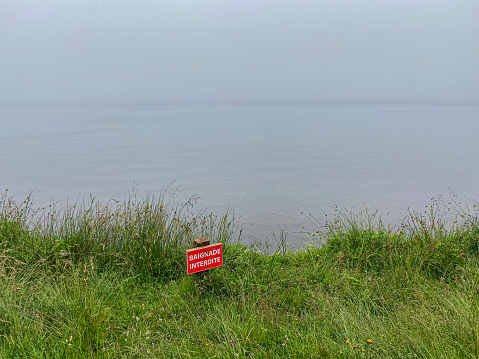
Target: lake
[(274, 165)]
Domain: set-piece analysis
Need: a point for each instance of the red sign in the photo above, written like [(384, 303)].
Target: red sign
[(204, 258)]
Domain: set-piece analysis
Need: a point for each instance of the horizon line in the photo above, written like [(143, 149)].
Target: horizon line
[(444, 101)]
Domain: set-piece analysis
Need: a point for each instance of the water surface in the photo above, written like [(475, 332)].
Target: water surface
[(268, 163)]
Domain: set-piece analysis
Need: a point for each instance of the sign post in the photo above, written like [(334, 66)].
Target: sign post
[(204, 256)]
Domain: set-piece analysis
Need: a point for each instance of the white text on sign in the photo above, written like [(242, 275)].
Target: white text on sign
[(204, 258)]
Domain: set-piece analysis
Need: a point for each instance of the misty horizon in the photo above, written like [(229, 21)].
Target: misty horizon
[(446, 101), (179, 52)]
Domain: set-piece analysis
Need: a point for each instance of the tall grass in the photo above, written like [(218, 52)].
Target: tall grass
[(95, 280), (146, 237)]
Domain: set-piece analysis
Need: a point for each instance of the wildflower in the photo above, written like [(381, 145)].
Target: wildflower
[(369, 341), (340, 352), (281, 267), (362, 350), (347, 341)]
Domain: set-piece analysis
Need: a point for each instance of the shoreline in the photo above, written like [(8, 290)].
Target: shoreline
[(104, 283)]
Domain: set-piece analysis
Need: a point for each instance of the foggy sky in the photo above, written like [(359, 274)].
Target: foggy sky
[(237, 50)]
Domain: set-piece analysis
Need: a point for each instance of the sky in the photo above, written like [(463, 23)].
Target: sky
[(163, 51)]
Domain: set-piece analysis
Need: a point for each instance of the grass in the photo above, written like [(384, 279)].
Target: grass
[(109, 281)]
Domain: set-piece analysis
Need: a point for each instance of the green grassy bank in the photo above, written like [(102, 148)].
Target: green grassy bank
[(109, 281)]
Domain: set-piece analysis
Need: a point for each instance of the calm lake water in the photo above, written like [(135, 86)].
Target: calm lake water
[(268, 163)]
